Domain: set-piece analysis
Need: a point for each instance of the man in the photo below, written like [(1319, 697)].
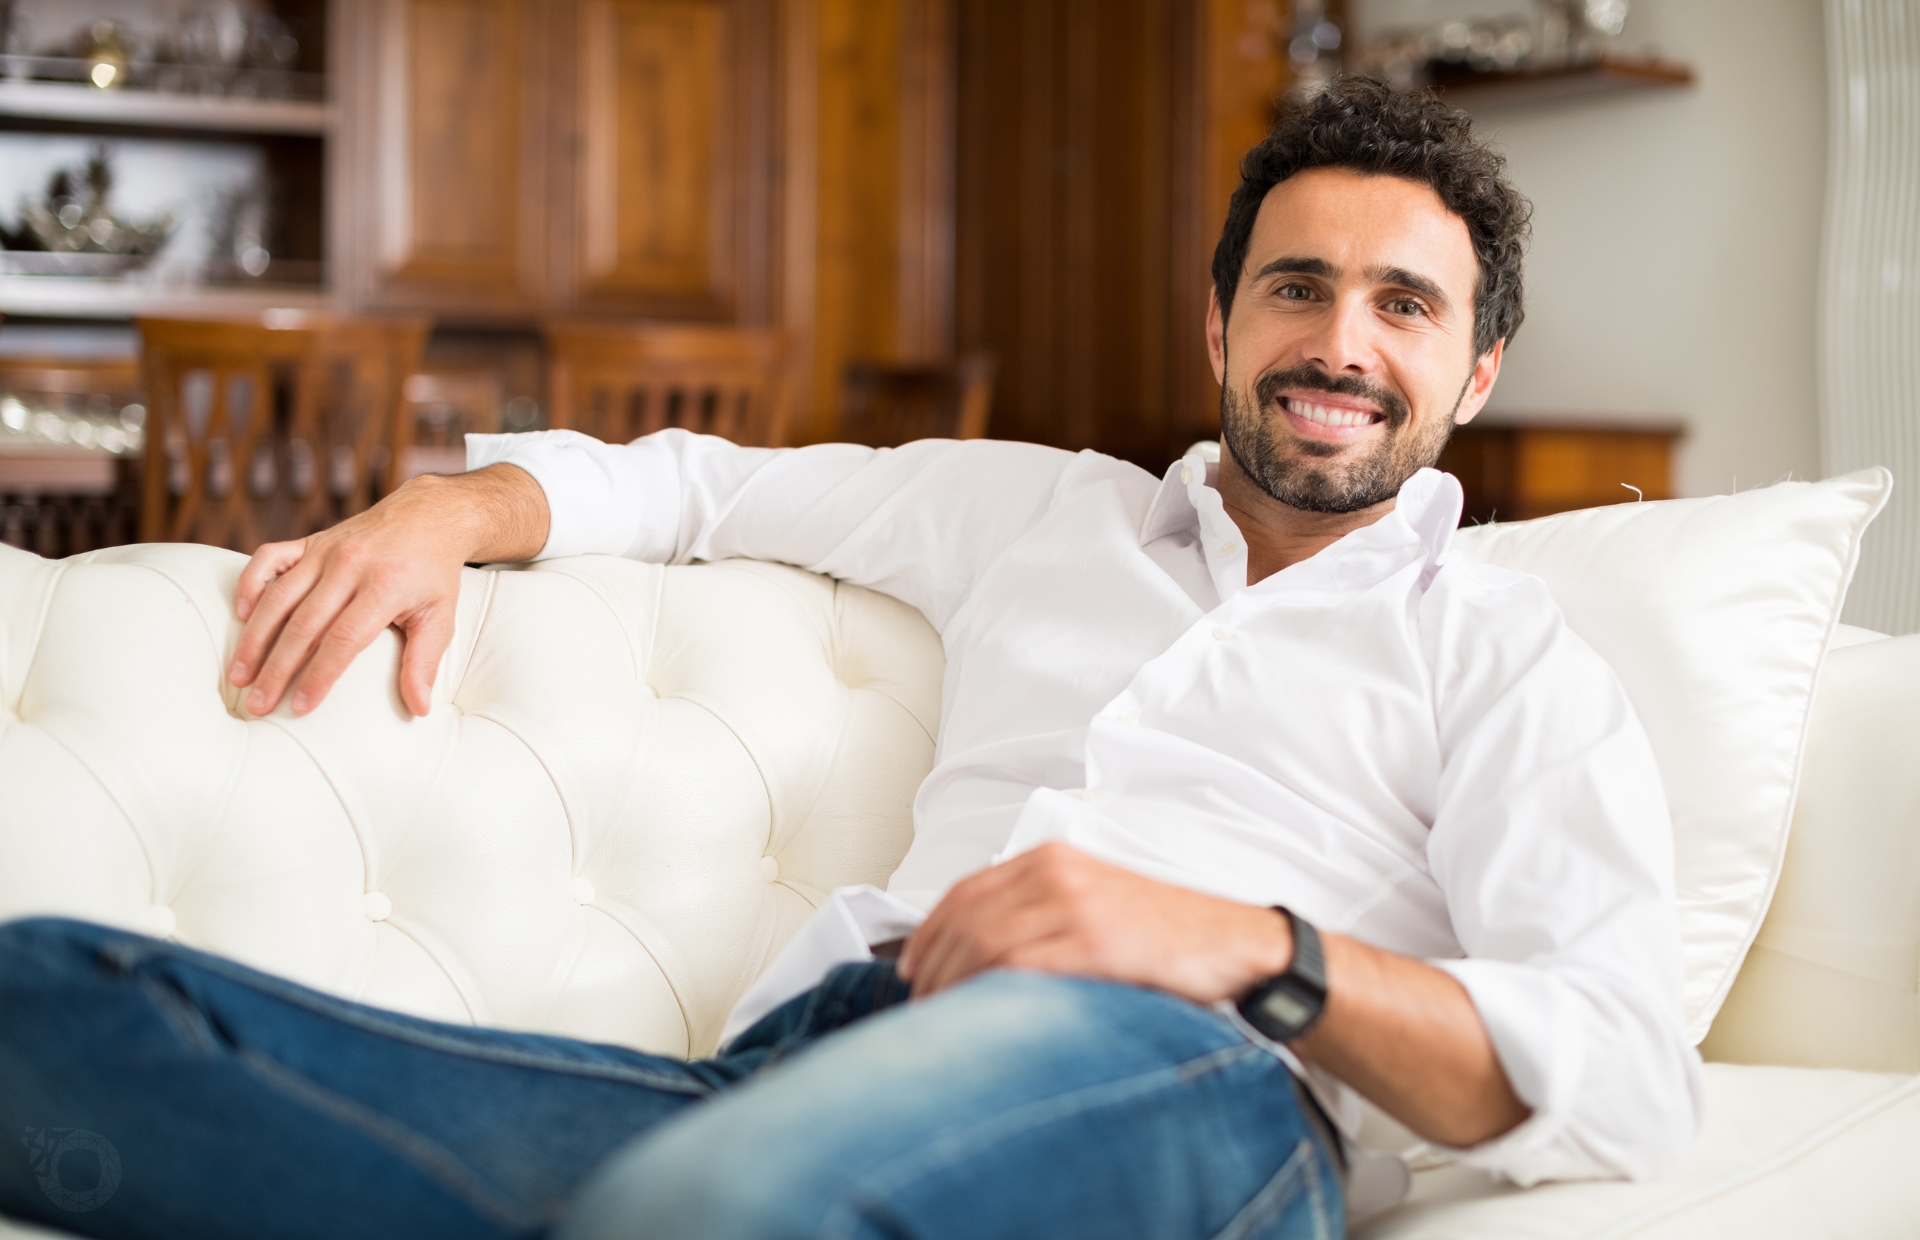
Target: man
[(1240, 784)]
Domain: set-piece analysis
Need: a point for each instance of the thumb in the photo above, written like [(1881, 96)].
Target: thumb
[(425, 638)]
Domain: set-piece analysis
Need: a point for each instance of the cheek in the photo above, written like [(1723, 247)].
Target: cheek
[(1256, 343), (1430, 378)]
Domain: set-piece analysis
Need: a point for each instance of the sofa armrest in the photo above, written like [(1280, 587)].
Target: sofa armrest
[(1833, 979)]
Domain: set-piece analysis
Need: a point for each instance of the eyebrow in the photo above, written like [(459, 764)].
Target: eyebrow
[(1412, 281)]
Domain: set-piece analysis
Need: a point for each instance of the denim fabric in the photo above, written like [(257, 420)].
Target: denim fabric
[(167, 1092)]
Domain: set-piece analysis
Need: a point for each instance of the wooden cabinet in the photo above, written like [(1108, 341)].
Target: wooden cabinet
[(1514, 471), (665, 122), (442, 204), (761, 163), (514, 158)]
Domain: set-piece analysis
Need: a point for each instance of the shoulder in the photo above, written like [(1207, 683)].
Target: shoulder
[(1487, 629), (1482, 603)]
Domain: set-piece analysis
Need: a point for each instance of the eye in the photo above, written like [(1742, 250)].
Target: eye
[(1293, 290), (1407, 307)]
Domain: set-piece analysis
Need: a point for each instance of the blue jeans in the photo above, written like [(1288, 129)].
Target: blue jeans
[(167, 1092)]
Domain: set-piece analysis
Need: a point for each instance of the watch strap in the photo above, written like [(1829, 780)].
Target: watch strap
[(1288, 1004)]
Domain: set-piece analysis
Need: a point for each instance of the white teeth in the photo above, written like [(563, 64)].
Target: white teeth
[(1330, 415)]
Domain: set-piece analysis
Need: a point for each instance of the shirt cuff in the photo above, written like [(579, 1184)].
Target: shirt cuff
[(598, 494), (1541, 1045)]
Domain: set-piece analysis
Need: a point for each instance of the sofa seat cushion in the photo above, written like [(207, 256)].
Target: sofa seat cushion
[(1786, 1152)]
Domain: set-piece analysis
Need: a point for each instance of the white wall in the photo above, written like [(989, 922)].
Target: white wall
[(1674, 268)]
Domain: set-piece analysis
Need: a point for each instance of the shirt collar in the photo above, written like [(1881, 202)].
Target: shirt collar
[(1173, 508), (1425, 516)]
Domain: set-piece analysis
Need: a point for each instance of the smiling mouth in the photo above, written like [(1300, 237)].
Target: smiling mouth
[(1334, 417)]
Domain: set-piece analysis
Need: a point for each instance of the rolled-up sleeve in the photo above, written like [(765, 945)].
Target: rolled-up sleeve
[(1553, 844), (920, 522)]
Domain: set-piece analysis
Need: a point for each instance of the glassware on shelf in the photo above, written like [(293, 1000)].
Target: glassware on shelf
[(214, 47), (73, 230), (1559, 34), (40, 421)]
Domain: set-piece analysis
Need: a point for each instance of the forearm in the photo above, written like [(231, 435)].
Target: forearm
[(1407, 1037), (496, 515)]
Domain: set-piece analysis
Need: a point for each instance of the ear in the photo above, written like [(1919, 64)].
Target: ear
[(1216, 337), (1480, 383)]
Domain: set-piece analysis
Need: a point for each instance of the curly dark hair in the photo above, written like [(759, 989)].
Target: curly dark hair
[(1363, 125)]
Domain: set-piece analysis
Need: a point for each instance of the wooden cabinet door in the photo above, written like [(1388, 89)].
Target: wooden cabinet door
[(446, 209), (664, 196)]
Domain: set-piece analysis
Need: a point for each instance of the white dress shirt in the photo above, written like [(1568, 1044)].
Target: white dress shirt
[(1411, 751)]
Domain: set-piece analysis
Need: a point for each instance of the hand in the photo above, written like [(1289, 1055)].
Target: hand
[(1057, 910), (310, 606)]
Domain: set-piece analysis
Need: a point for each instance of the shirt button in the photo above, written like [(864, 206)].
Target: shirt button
[(1127, 716), (1229, 548), (1089, 795), (376, 905), (1186, 475), (1221, 633)]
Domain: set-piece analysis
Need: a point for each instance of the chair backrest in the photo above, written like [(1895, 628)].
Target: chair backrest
[(261, 432), (886, 406), (618, 382)]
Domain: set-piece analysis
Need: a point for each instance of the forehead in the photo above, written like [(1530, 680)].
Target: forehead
[(1358, 222)]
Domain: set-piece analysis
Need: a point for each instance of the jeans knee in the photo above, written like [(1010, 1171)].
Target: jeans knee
[(663, 1189)]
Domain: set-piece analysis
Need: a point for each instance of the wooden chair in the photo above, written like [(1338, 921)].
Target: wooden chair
[(618, 382), (886, 406), (260, 432)]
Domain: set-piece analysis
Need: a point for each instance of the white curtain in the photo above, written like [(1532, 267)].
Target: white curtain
[(1870, 289)]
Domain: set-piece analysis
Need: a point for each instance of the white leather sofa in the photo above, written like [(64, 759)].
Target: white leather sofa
[(637, 781)]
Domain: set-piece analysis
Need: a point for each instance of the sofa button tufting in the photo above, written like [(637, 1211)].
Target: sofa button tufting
[(376, 906), (160, 922), (581, 889), (770, 869)]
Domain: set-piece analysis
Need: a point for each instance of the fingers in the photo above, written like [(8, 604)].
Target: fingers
[(344, 635), (271, 585), (286, 593), (296, 641), (979, 923), (1012, 938), (271, 560), (426, 639)]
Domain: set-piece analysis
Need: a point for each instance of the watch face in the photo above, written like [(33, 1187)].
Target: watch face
[(1285, 1010)]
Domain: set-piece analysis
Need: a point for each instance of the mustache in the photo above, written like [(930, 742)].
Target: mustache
[(1267, 389)]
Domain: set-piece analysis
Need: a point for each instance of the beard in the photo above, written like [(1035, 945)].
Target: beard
[(1287, 468)]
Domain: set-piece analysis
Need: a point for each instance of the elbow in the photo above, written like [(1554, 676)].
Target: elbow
[(1483, 1114)]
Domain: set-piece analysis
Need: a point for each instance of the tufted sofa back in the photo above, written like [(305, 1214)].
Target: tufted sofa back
[(635, 784)]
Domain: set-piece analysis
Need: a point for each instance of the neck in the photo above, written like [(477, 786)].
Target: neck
[(1279, 535)]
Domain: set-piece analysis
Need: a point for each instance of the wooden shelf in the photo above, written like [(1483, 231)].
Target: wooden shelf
[(1610, 75), (83, 298), (58, 101)]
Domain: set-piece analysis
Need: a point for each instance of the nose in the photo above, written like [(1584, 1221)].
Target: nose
[(1343, 344)]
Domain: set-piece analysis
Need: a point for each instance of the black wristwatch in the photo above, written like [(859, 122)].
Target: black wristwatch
[(1288, 1004)]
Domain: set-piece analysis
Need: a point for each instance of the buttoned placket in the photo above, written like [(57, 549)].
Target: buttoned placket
[(1225, 552)]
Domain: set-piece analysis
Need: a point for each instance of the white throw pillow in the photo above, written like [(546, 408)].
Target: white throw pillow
[(1716, 614)]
